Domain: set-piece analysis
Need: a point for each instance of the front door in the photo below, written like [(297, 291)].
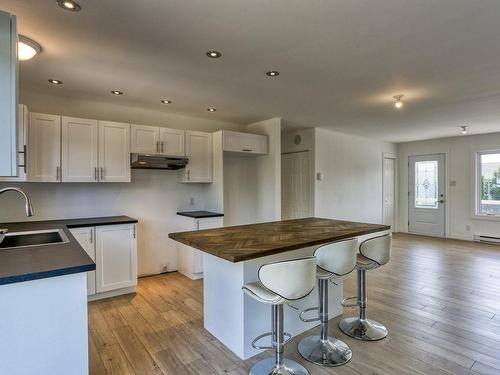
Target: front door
[(426, 205)]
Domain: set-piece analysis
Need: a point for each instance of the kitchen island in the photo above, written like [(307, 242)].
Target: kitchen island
[(232, 258)]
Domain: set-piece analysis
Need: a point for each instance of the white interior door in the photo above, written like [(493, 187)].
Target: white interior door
[(296, 199), (426, 206), (390, 192)]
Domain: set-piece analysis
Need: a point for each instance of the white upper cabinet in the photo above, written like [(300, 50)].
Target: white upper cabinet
[(199, 154), (8, 95), (244, 143), (22, 145), (44, 145), (172, 142), (114, 152), (144, 139), (79, 150)]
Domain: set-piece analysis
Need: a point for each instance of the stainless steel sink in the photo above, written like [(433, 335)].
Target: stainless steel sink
[(16, 240)]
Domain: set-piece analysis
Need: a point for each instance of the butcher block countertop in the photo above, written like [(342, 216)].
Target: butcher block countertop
[(245, 242)]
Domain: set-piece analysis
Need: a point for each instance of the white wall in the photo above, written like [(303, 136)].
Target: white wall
[(153, 197), (460, 168), (352, 176)]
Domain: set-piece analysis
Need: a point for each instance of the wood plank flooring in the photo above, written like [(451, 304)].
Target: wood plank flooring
[(440, 300)]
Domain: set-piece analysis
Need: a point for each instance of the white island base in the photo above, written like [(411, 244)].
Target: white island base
[(236, 319)]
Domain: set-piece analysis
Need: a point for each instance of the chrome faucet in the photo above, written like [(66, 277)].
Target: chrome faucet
[(28, 207)]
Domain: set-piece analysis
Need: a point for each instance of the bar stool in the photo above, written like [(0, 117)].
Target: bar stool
[(373, 253), (333, 261), (279, 283)]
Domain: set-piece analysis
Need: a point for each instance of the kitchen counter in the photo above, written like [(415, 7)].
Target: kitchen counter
[(39, 262), (199, 214), (245, 242)]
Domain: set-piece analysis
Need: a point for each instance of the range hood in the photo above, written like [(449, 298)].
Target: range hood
[(152, 161)]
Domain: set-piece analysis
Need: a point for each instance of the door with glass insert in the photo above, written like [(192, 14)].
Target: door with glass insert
[(426, 200)]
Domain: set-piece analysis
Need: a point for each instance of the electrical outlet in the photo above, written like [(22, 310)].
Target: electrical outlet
[(164, 268), (191, 201)]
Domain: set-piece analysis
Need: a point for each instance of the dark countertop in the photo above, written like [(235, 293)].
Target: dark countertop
[(244, 242), (199, 214), (39, 262)]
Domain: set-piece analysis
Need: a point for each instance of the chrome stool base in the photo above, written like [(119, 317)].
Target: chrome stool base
[(331, 352), (363, 329), (268, 367)]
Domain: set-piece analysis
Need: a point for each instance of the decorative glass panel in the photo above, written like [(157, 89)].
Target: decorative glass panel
[(489, 184), (426, 184)]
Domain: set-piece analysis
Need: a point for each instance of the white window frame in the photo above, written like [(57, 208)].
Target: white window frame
[(477, 183)]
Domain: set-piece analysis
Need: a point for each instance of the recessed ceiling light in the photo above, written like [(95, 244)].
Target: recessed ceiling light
[(398, 103), (116, 92), (214, 54), (55, 81), (464, 130), (273, 73), (69, 5), (211, 109), (27, 48), (166, 101)]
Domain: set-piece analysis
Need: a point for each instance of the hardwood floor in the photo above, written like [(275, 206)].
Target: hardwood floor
[(440, 300)]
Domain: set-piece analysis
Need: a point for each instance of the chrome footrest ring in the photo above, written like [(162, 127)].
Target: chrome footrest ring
[(273, 343), (345, 304), (303, 312)]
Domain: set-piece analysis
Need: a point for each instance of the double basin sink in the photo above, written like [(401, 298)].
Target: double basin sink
[(16, 240)]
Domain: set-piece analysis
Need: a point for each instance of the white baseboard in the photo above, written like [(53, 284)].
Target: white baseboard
[(111, 293)]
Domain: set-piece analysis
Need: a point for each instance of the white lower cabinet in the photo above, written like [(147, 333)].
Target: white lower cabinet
[(113, 248), (190, 259)]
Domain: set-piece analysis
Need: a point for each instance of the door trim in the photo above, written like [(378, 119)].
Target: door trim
[(389, 155)]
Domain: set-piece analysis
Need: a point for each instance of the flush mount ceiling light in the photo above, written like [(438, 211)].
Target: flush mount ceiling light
[(399, 102), (69, 5), (55, 81), (273, 73), (166, 101), (211, 109), (464, 130), (213, 54), (116, 92), (27, 48)]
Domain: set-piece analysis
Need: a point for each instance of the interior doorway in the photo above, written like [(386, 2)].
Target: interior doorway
[(389, 191), (296, 189)]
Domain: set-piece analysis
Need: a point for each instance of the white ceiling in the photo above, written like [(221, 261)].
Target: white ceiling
[(341, 61)]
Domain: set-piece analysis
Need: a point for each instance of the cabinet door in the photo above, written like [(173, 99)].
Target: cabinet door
[(202, 224), (199, 153), (85, 237), (116, 257), (144, 139), (244, 143), (114, 152), (44, 145), (79, 150), (8, 95), (172, 142), (22, 145)]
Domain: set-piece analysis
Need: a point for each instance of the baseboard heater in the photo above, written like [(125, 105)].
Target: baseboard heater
[(487, 239)]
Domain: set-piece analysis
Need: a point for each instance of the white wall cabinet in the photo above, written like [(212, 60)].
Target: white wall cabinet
[(114, 152), (244, 143), (116, 257), (22, 146), (8, 95), (199, 154), (191, 260), (157, 140), (85, 237), (79, 150), (44, 145)]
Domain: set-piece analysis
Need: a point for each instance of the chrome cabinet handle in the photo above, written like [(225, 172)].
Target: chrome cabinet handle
[(25, 158), (189, 174), (162, 147), (91, 236), (247, 150), (102, 173), (96, 174), (57, 173)]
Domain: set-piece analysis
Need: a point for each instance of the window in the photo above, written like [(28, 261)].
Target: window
[(426, 184), (488, 183)]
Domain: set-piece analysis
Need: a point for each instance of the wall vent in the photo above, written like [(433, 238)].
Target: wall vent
[(487, 239)]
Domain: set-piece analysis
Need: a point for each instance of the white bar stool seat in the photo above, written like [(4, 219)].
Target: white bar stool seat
[(279, 283)]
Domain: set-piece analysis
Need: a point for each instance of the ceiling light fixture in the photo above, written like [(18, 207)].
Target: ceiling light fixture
[(166, 101), (273, 73), (116, 92), (398, 103), (464, 130), (214, 54), (27, 48), (55, 81), (211, 109), (69, 5)]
